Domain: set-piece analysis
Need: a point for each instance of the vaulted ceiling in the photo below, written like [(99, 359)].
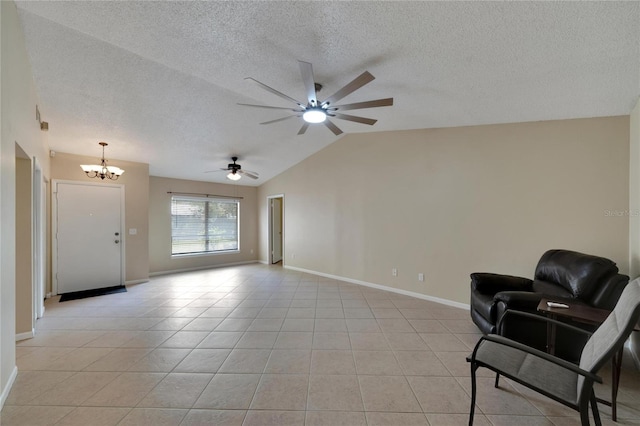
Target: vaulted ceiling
[(160, 81)]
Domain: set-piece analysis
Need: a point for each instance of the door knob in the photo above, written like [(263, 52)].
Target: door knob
[(117, 233), (117, 241)]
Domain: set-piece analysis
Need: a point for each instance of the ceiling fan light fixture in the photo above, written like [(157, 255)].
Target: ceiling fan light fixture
[(233, 176), (314, 115)]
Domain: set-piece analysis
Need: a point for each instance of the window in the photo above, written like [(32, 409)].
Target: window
[(203, 225)]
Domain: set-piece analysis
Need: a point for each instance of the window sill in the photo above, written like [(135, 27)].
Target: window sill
[(212, 253)]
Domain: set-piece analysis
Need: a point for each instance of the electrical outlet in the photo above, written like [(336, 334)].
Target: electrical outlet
[(420, 276), (394, 272)]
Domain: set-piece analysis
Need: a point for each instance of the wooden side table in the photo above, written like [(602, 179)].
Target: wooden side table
[(589, 315)]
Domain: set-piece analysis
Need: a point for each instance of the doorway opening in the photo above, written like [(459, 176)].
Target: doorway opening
[(24, 250), (275, 207)]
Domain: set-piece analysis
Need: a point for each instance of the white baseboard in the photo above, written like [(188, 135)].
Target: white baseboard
[(132, 282), (384, 287), (7, 388), (264, 262), (200, 268), (25, 336)]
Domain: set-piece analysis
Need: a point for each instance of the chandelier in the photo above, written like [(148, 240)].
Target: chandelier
[(102, 171)]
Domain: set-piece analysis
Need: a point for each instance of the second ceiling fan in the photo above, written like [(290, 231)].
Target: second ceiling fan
[(315, 111)]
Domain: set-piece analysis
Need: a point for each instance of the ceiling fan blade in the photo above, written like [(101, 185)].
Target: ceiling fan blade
[(363, 120), (357, 83), (306, 69), (303, 129), (367, 104), (278, 119), (336, 131), (271, 107), (274, 91), (252, 175)]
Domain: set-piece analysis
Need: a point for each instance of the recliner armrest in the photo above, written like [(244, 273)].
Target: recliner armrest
[(608, 292), (488, 283), (519, 300)]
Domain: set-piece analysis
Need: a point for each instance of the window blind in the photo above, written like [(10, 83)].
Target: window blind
[(203, 225)]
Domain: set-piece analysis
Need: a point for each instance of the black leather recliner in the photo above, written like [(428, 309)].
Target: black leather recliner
[(561, 275)]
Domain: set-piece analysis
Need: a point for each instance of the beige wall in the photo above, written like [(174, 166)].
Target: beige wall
[(448, 202), (19, 126), (160, 225), (634, 192), (136, 190)]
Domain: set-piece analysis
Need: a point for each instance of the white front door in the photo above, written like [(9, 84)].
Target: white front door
[(88, 236)]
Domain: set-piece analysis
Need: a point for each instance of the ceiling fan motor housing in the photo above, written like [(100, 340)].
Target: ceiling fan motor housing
[(234, 166)]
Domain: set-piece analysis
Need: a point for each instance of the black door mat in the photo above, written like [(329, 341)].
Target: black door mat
[(91, 293)]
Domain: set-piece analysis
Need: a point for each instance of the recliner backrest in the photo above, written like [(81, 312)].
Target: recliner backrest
[(578, 273)]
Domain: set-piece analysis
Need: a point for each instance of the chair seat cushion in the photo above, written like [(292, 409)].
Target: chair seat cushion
[(529, 370)]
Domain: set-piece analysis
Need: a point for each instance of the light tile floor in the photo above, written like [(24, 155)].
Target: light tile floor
[(259, 345)]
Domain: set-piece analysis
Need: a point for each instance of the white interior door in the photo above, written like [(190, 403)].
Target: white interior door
[(88, 236), (276, 230)]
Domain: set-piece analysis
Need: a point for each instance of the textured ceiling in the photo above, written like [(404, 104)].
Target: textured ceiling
[(160, 81)]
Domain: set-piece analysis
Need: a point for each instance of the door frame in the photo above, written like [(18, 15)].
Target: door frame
[(54, 227), (269, 219), (39, 239)]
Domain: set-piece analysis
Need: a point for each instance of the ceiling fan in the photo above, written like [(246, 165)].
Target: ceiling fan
[(235, 171), (315, 111)]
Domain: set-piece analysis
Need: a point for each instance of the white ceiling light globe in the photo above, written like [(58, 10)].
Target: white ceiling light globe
[(315, 115)]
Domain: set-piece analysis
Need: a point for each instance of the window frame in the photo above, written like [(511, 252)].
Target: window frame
[(204, 200)]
